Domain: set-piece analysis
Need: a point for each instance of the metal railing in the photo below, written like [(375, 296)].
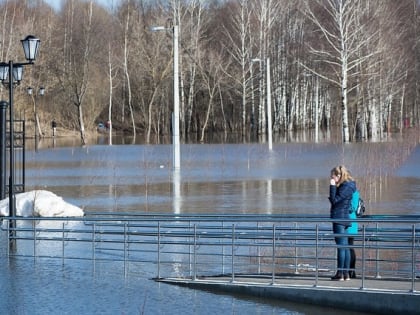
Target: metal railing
[(19, 156), (225, 246)]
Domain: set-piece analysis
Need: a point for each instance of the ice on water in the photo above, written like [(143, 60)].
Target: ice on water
[(41, 203)]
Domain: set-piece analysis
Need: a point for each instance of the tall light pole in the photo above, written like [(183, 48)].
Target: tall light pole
[(175, 119), (11, 74), (268, 92)]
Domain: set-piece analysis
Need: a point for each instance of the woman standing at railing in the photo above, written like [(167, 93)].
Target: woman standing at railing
[(342, 187)]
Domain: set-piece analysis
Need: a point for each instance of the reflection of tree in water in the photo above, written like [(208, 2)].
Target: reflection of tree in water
[(372, 164)]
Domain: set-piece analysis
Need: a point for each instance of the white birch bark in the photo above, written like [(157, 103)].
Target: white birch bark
[(110, 94), (239, 46), (126, 72), (344, 40)]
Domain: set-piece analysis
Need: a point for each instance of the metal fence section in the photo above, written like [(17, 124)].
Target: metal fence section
[(19, 156), (194, 246)]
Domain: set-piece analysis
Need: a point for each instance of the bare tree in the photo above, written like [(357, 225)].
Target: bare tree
[(211, 70), (239, 46), (266, 12), (193, 27), (338, 22), (112, 73), (126, 67), (77, 52)]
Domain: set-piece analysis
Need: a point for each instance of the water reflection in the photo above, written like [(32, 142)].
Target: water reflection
[(269, 195), (177, 196), (237, 178)]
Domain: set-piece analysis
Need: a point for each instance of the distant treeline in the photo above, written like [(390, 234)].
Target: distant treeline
[(331, 63)]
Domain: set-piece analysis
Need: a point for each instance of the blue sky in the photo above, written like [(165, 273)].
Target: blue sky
[(107, 3)]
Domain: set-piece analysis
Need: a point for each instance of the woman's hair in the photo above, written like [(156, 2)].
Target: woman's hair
[(342, 172)]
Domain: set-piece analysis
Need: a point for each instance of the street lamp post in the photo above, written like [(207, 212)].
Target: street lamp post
[(37, 127), (175, 120), (3, 108), (11, 74), (268, 92)]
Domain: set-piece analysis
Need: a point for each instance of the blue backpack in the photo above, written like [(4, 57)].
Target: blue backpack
[(357, 204)]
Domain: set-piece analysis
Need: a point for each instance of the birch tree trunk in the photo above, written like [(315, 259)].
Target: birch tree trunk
[(85, 81), (211, 71), (111, 89), (194, 28), (126, 72), (401, 111), (240, 51), (78, 74), (37, 127)]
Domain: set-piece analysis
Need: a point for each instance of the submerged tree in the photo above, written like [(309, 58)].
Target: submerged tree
[(340, 24)]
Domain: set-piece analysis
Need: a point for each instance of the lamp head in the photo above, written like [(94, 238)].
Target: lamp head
[(30, 47), (17, 73), (157, 28), (4, 71)]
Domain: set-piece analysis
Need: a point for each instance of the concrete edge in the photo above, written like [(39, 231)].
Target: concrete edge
[(370, 301)]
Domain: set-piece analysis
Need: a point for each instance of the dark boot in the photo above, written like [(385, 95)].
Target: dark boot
[(338, 277)]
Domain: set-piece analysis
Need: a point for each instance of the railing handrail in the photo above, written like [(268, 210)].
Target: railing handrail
[(105, 216), (204, 244)]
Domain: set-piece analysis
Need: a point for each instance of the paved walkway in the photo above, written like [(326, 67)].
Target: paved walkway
[(378, 296)]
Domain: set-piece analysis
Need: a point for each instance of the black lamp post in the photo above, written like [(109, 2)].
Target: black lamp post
[(11, 74), (3, 109)]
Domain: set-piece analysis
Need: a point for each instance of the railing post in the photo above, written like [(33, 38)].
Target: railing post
[(195, 253), (94, 245), (158, 251), (258, 252), (34, 228), (125, 249), (378, 276), (190, 252), (273, 257), (363, 256), (62, 243), (413, 259), (223, 250), (296, 250), (233, 253), (316, 254)]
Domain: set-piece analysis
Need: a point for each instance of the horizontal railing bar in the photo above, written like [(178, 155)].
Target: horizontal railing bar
[(92, 217), (202, 236)]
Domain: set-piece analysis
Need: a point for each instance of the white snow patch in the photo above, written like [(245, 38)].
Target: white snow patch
[(41, 203)]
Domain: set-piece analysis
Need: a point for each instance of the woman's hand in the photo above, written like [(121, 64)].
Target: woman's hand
[(332, 182)]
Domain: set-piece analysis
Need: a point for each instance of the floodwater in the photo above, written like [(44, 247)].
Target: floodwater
[(225, 178), (214, 178)]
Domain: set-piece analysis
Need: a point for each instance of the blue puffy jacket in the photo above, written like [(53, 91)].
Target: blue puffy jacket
[(340, 199)]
